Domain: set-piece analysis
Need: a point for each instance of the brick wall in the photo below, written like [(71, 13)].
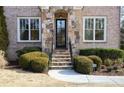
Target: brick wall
[(11, 14)]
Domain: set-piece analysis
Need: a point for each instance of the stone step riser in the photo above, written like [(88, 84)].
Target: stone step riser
[(66, 54), (61, 59), (61, 56), (60, 64), (61, 50), (60, 67)]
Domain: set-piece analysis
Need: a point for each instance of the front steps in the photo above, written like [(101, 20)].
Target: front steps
[(61, 59)]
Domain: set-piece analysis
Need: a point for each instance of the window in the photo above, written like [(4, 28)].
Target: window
[(94, 29), (29, 29)]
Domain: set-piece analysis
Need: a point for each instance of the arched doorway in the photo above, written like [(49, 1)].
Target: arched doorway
[(61, 28)]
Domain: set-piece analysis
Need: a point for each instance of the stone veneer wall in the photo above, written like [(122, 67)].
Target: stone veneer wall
[(11, 13)]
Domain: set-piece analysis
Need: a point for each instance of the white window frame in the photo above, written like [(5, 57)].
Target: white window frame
[(105, 27), (18, 29)]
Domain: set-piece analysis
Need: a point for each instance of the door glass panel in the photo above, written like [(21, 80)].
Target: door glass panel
[(60, 33)]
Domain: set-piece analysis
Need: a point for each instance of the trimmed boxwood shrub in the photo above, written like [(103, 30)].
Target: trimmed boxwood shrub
[(108, 62), (39, 64), (25, 59), (118, 61), (27, 50), (83, 64), (103, 53), (96, 60)]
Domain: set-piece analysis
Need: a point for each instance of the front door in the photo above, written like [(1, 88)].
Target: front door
[(60, 33)]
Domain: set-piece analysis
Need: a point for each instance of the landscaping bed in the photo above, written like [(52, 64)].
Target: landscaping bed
[(113, 72), (100, 61)]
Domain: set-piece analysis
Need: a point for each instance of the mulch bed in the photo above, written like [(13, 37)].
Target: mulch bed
[(113, 72)]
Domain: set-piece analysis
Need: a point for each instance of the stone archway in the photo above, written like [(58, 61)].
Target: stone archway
[(61, 14)]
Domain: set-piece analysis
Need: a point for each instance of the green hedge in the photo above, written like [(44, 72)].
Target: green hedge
[(96, 60), (3, 31), (83, 64), (103, 53), (25, 59), (109, 62), (39, 64), (122, 46), (27, 50)]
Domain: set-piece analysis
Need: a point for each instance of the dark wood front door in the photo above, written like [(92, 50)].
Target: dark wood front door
[(60, 33)]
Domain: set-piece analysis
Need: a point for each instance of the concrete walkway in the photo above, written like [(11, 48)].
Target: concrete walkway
[(74, 77)]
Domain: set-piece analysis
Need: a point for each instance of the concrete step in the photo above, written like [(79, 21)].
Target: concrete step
[(61, 50), (61, 67), (61, 56), (66, 53), (61, 59), (61, 63), (62, 53), (58, 57)]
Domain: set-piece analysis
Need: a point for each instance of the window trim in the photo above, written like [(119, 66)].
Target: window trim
[(18, 29), (105, 27)]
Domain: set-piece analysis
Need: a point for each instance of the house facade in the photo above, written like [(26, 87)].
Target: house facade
[(46, 27)]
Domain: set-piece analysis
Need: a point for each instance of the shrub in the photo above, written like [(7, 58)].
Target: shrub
[(115, 67), (109, 69), (103, 66), (27, 50), (83, 64), (38, 54), (103, 53), (3, 61), (108, 62), (25, 59), (118, 61), (96, 60), (122, 46), (122, 65), (3, 31), (39, 64), (2, 53)]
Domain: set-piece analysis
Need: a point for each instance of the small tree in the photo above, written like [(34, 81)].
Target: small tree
[(3, 31)]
